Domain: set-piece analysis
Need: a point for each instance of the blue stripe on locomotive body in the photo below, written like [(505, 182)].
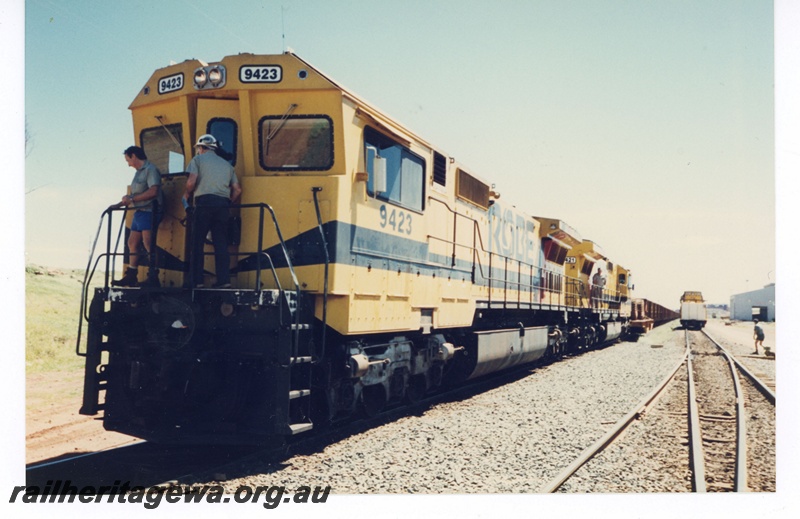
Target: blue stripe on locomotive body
[(350, 244)]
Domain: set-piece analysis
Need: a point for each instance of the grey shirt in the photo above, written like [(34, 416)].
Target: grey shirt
[(215, 175), (144, 178)]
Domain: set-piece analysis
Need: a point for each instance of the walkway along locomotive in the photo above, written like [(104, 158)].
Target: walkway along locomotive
[(369, 268)]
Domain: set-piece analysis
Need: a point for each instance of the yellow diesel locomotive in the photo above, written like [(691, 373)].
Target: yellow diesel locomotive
[(368, 268)]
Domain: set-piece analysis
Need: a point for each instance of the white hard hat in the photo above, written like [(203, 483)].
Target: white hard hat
[(207, 141)]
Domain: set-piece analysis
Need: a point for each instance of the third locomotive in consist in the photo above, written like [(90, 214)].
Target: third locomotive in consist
[(369, 268)]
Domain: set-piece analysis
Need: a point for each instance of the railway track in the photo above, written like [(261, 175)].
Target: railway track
[(662, 414), (717, 426), (756, 399), (140, 464), (616, 431), (709, 422), (147, 464), (764, 382)]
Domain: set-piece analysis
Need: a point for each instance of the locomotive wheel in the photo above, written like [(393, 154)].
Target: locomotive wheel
[(416, 389), (373, 398), (554, 351)]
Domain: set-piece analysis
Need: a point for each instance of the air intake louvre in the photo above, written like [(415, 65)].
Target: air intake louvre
[(472, 190), (439, 169)]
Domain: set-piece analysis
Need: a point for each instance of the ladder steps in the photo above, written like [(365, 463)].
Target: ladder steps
[(300, 372), (297, 428), (297, 393)]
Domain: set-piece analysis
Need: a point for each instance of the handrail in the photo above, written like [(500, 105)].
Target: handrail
[(607, 296), (316, 190), (89, 272), (262, 206), (111, 254), (272, 268), (475, 232)]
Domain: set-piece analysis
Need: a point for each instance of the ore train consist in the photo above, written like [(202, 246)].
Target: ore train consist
[(369, 268), (645, 315)]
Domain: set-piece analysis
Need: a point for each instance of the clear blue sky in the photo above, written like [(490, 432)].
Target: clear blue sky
[(647, 126)]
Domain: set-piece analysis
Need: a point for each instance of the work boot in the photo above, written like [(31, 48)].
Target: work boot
[(152, 282), (130, 279), (152, 279)]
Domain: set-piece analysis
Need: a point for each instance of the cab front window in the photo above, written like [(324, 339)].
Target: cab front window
[(303, 142)]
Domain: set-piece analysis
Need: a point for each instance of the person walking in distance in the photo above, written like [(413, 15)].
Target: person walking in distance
[(758, 336), (146, 197), (213, 182)]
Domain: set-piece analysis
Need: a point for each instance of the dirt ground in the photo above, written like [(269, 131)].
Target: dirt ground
[(53, 427), (739, 335)]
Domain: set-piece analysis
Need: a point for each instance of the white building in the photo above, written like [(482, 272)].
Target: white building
[(758, 304)]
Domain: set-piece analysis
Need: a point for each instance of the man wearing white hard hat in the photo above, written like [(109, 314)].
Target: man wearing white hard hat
[(213, 182)]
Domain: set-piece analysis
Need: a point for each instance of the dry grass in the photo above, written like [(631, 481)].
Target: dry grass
[(52, 304)]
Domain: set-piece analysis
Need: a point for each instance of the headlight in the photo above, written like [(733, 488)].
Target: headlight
[(215, 76), (209, 76), (200, 78)]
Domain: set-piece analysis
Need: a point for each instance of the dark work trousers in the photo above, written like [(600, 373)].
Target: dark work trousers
[(211, 214)]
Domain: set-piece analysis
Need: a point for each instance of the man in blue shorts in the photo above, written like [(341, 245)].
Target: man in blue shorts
[(147, 199), (758, 336)]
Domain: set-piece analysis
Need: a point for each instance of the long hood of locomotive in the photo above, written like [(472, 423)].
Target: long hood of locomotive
[(392, 270)]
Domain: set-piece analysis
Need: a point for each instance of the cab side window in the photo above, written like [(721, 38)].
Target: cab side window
[(405, 172)]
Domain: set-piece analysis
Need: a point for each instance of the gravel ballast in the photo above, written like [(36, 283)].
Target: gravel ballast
[(651, 456), (511, 439)]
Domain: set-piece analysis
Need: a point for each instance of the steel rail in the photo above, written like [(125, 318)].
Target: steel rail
[(696, 457), (613, 433), (44, 464), (760, 385), (740, 478), (740, 481)]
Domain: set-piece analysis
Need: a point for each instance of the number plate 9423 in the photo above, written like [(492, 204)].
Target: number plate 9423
[(260, 74), (170, 83)]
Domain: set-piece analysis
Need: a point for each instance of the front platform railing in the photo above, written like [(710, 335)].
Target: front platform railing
[(116, 250)]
